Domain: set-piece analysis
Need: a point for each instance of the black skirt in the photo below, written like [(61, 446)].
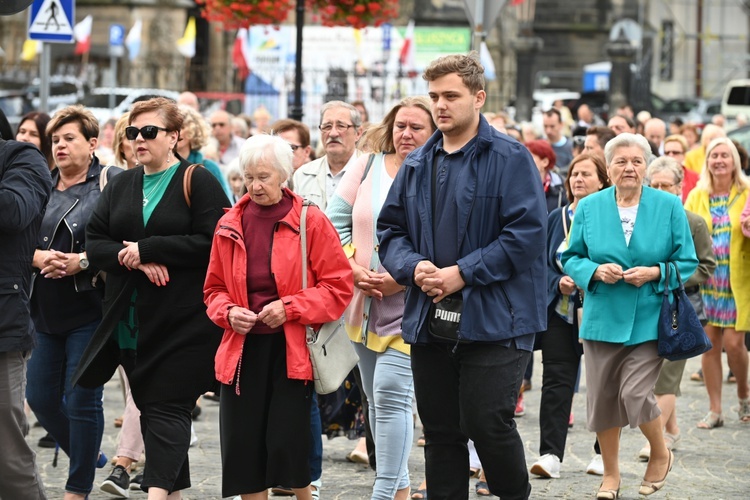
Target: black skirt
[(265, 430)]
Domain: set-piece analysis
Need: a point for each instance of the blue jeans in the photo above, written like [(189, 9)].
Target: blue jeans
[(469, 392), (388, 383), (77, 422)]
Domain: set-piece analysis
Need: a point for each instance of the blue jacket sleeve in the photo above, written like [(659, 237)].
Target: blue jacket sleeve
[(575, 259), (397, 251), (25, 185), (523, 224)]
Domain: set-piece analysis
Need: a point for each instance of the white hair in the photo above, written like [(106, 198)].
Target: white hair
[(271, 148), (626, 140)]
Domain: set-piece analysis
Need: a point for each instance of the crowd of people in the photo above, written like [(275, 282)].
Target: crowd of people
[(165, 242)]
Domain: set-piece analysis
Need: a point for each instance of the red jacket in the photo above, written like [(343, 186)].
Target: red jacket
[(329, 283)]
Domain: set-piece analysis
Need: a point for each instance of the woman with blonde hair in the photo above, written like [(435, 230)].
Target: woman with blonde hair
[(719, 198), (194, 135), (373, 320)]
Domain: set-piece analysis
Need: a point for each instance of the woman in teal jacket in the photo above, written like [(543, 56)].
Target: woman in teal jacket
[(621, 241)]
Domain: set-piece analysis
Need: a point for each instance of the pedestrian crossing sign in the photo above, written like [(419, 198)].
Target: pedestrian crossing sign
[(52, 21)]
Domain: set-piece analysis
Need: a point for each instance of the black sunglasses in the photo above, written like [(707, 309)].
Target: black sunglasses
[(148, 132)]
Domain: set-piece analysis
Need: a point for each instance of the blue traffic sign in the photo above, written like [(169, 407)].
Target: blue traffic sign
[(116, 35), (52, 21)]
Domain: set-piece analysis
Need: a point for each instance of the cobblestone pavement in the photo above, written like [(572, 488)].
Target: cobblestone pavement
[(709, 465)]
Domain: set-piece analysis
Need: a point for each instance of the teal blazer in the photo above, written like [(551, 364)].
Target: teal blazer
[(623, 313)]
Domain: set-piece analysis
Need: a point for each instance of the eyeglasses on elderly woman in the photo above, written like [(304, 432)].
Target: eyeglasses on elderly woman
[(149, 132)]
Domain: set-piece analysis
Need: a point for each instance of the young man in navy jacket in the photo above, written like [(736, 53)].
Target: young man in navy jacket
[(466, 218)]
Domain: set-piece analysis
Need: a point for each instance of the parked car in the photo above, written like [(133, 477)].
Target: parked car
[(736, 99), (97, 101), (14, 106), (63, 91), (698, 111), (231, 102)]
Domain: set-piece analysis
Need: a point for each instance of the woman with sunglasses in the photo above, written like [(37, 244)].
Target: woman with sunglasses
[(153, 237), (66, 304)]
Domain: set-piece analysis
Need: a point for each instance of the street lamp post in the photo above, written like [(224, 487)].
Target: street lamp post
[(526, 46), (621, 52), (296, 111)]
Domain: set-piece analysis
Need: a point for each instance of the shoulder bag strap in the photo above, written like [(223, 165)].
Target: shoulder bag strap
[(187, 183), (103, 178), (303, 240), (565, 221), (367, 168)]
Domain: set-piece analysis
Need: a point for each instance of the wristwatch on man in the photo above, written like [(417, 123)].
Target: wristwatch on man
[(83, 262)]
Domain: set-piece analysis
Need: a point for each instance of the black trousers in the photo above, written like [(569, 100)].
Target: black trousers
[(561, 356), (165, 426), (470, 394)]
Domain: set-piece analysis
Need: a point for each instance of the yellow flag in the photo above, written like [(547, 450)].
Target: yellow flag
[(186, 44), (30, 49)]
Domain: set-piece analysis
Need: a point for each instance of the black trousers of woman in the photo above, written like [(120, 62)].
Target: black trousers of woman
[(561, 356)]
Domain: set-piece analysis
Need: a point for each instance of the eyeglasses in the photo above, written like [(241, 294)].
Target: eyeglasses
[(294, 147), (220, 124), (343, 127), (673, 153), (663, 185), (578, 140), (148, 132)]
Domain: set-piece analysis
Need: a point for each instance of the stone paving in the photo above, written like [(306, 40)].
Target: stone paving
[(709, 465)]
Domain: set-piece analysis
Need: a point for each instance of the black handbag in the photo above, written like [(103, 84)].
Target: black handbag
[(681, 335), (445, 316)]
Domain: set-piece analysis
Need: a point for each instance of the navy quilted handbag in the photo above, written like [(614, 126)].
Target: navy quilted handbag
[(681, 334)]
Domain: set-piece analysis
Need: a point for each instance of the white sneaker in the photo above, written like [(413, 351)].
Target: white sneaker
[(596, 466), (547, 466)]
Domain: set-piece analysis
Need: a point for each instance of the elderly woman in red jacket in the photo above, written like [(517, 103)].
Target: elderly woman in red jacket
[(254, 291)]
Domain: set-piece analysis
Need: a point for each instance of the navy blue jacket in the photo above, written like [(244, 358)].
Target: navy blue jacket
[(502, 230), (25, 186)]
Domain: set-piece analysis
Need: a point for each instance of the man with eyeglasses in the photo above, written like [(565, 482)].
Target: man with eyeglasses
[(340, 129), (229, 144), (675, 146)]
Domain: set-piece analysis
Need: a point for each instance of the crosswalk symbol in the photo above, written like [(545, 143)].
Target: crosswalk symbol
[(51, 20)]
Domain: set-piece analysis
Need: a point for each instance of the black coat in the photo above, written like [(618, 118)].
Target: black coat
[(25, 186), (176, 340)]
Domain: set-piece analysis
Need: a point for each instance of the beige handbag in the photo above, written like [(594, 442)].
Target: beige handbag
[(331, 352)]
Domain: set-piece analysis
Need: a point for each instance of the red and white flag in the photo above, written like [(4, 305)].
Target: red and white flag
[(240, 53), (406, 57), (82, 35)]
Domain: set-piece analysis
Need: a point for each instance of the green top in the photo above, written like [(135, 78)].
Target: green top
[(154, 186)]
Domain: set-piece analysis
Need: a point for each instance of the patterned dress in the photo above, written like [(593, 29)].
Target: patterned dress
[(717, 291)]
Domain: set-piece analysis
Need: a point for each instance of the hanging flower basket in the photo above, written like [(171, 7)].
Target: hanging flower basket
[(236, 14), (357, 14)]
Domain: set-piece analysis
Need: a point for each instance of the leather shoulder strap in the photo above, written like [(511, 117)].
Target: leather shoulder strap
[(187, 182)]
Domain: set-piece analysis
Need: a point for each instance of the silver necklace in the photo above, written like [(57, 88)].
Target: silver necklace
[(153, 190)]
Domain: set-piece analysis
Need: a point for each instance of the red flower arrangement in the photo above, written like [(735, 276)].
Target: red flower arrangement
[(355, 13), (236, 14)]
